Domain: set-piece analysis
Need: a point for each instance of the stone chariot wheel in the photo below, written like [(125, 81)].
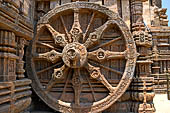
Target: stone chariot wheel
[(82, 58)]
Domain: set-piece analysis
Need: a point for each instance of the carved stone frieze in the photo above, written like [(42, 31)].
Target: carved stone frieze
[(145, 107), (7, 55), (14, 93), (142, 38), (142, 95)]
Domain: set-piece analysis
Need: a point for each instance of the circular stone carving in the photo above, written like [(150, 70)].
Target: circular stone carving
[(74, 55), (82, 59)]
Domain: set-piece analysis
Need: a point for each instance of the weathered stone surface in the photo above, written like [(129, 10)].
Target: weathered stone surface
[(112, 5), (16, 24), (81, 55), (76, 57), (126, 12)]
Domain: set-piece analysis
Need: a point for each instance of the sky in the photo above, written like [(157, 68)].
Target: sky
[(166, 4)]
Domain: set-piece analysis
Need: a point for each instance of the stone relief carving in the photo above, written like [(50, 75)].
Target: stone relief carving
[(75, 56)]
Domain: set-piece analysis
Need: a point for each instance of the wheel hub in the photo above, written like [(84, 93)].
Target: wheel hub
[(74, 55)]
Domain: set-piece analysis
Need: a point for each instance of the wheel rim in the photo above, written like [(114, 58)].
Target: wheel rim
[(75, 50)]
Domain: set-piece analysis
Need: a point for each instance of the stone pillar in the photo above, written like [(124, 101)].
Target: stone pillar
[(155, 55), (147, 12), (20, 63), (7, 56), (143, 41), (142, 95), (65, 1), (136, 15), (55, 3), (146, 107), (112, 5), (142, 38), (126, 12), (97, 1), (42, 8)]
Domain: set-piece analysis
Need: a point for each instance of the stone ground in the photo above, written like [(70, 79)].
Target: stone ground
[(162, 104)]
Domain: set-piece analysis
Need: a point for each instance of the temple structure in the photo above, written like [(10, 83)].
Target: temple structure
[(83, 56)]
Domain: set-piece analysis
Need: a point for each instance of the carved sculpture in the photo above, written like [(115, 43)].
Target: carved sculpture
[(81, 56), (76, 50), (20, 62)]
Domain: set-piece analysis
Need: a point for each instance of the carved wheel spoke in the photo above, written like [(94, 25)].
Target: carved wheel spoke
[(51, 83), (77, 86), (76, 32), (51, 56), (106, 44), (107, 68), (45, 44), (58, 74), (97, 34), (63, 23), (59, 38), (86, 60), (89, 26), (101, 55), (65, 86), (48, 68), (96, 74), (106, 83)]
